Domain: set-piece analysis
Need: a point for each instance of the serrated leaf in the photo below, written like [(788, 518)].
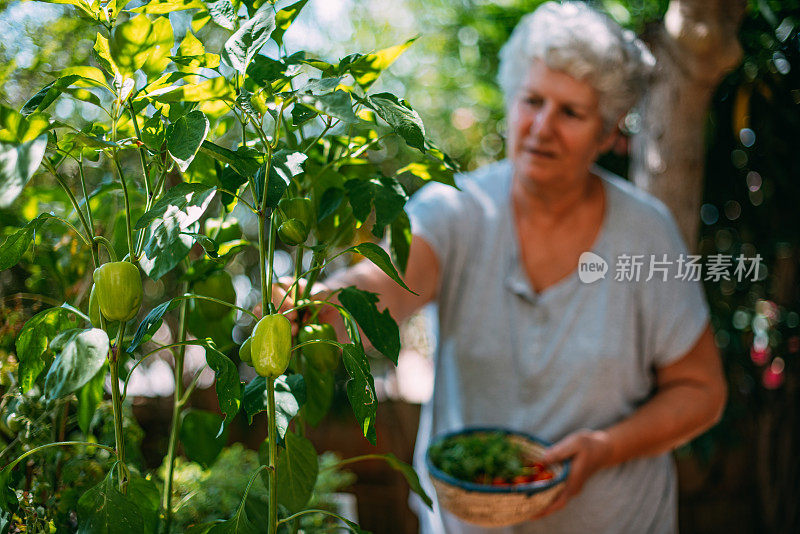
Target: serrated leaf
[(185, 136), (240, 48), (34, 339), (297, 470), (361, 389)]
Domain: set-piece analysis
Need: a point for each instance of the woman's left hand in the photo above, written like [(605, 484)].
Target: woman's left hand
[(590, 451)]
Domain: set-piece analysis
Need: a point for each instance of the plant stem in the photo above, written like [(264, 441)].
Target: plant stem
[(117, 402), (112, 254), (142, 153), (176, 413), (95, 251), (131, 249), (273, 456)]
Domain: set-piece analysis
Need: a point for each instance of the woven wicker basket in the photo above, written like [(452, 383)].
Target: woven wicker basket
[(497, 506)]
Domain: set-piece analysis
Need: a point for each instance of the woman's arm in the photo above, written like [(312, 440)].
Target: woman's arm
[(690, 397)]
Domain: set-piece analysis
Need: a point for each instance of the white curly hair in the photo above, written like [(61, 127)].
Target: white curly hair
[(584, 43)]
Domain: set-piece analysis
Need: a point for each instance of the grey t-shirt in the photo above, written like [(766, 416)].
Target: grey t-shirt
[(577, 355)]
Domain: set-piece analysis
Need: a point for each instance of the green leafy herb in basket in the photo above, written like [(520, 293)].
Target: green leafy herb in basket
[(478, 457)]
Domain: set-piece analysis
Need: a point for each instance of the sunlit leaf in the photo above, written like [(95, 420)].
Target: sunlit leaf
[(78, 362), (34, 339), (130, 44), (284, 19), (18, 163), (240, 48), (185, 136)]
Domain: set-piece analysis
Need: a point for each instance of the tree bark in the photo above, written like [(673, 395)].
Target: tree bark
[(695, 46)]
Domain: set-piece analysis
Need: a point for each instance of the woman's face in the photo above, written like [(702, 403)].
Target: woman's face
[(555, 128)]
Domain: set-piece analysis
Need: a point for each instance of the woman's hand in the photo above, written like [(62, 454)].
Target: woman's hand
[(590, 451)]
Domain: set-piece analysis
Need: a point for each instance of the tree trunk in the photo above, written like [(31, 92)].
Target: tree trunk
[(695, 46)]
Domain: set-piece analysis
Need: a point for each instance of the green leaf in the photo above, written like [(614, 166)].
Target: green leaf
[(380, 258), (163, 7), (320, 386), (379, 327), (430, 170), (103, 509), (89, 397), (400, 241), (48, 94), (161, 41), (337, 104), (302, 114), (297, 470), (386, 194), (185, 136), (200, 438), (17, 129), (89, 76), (15, 245), (18, 163), (130, 44), (284, 166), (228, 387), (409, 474), (264, 70), (154, 134), (179, 208), (361, 389), (34, 339), (77, 363), (213, 89), (331, 200), (367, 68), (240, 48), (150, 324), (102, 53), (398, 114), (284, 19), (249, 517), (222, 13), (242, 161), (185, 202), (290, 395)]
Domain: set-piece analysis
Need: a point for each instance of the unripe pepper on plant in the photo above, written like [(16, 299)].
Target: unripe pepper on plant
[(119, 290), (293, 232), (323, 355), (219, 286), (297, 208), (244, 351), (271, 345)]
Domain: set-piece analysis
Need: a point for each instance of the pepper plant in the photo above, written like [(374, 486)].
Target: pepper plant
[(191, 133)]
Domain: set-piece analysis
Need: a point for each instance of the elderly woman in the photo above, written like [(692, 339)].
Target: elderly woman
[(617, 372)]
